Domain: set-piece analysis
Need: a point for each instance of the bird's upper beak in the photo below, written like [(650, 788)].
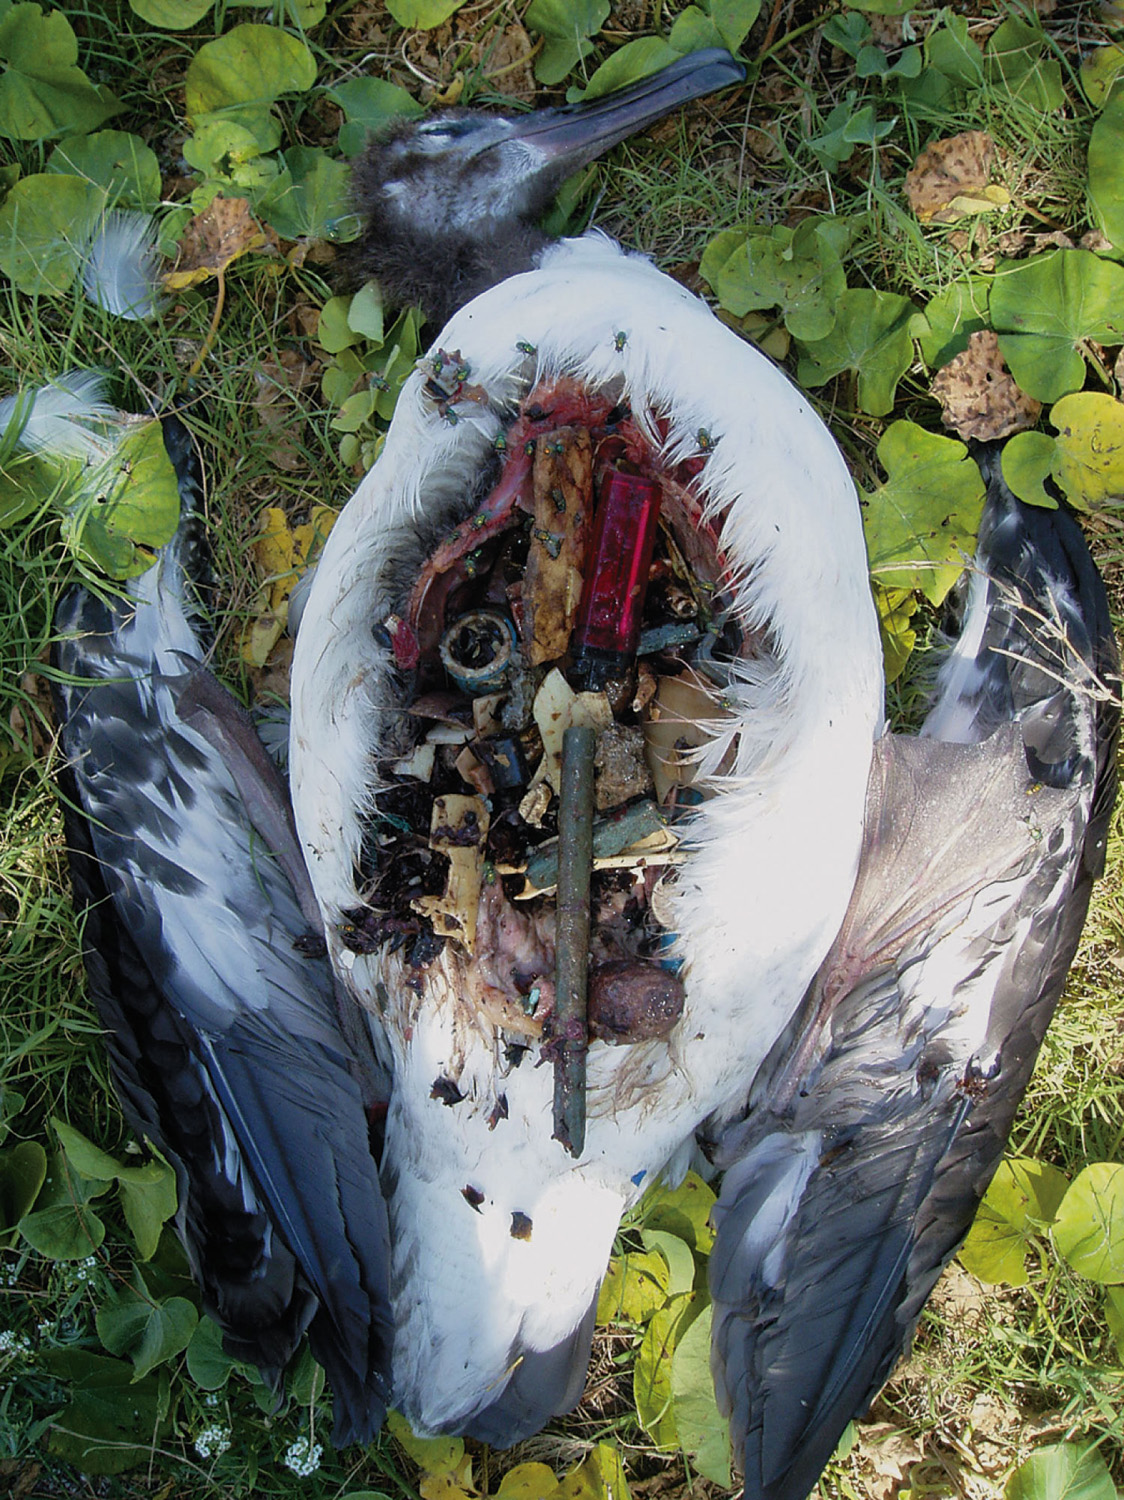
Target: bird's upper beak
[(576, 134)]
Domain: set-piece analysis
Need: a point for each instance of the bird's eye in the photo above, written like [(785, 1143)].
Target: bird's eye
[(444, 130)]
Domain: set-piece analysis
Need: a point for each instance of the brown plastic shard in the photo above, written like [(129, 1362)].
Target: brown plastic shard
[(458, 829), (552, 583)]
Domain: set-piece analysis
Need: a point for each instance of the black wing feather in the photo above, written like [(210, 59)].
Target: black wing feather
[(876, 1125), (225, 1037)]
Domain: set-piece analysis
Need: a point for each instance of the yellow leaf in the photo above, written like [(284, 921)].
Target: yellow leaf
[(651, 1379), (683, 1210), (434, 1455), (635, 1286), (1088, 458), (978, 201), (274, 552), (528, 1482), (600, 1476), (262, 636)]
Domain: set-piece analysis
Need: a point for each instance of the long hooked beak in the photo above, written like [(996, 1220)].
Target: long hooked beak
[(575, 134)]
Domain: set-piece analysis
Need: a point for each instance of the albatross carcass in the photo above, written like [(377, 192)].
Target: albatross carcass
[(587, 477)]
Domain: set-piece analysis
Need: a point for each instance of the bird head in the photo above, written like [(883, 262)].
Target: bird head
[(451, 203)]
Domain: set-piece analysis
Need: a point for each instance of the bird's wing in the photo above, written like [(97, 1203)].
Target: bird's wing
[(875, 1127), (224, 1029)]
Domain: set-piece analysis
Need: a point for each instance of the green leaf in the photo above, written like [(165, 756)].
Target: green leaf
[(845, 128), (365, 313), (1099, 71), (701, 1428), (734, 19), (566, 27), (1062, 1471), (309, 197), (872, 337), (1017, 60), (921, 524), (27, 482), (1023, 1195), (884, 7), (62, 1226), (208, 1363), (128, 506), (849, 31), (1089, 1228), (43, 92), (1106, 170), (148, 1192), (422, 15), (115, 160), (1028, 459), (171, 15), (683, 1211), (111, 1422), (305, 1379), (797, 270), (90, 1160), (148, 1201), (693, 30), (1089, 451), (46, 224), (369, 105), (148, 1330), (1045, 307), (251, 64), (23, 1170), (334, 331), (635, 1286), (677, 1253), (651, 1377), (628, 64), (952, 317), (952, 52)]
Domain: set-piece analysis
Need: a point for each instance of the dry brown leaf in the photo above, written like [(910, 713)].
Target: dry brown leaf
[(214, 238), (507, 63), (951, 178), (978, 397)]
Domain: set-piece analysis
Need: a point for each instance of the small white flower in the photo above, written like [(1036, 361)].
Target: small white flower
[(303, 1457), (15, 1343), (211, 1399), (42, 1329), (213, 1441)]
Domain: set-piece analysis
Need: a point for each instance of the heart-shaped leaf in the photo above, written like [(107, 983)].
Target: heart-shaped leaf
[(46, 224), (567, 28), (43, 91), (1089, 1227), (1023, 1195), (921, 524), (1062, 1471), (872, 337), (250, 64), (1045, 307)]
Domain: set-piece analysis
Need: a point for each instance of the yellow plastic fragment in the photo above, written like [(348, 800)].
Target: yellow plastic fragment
[(458, 829)]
